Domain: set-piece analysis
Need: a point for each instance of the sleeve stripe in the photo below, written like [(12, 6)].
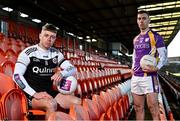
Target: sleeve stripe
[(61, 62)]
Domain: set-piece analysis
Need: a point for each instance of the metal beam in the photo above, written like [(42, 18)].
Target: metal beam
[(124, 25), (164, 11), (107, 19), (85, 11)]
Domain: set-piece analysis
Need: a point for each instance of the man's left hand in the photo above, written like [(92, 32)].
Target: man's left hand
[(56, 78)]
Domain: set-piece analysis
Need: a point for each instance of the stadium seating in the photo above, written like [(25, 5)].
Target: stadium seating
[(11, 55), (6, 84), (101, 105), (77, 112), (59, 116), (93, 83), (14, 105), (92, 109), (1, 111), (2, 52), (10, 98), (7, 67), (4, 45)]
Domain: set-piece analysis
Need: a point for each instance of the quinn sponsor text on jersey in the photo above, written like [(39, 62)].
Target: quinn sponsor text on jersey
[(40, 65)]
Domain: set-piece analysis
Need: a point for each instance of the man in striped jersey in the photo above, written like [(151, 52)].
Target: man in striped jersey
[(34, 73)]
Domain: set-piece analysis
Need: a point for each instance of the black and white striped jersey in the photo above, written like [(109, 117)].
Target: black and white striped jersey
[(35, 66)]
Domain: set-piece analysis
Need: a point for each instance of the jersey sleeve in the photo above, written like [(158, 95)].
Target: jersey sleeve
[(162, 51), (159, 41), (133, 59), (23, 58), (19, 70)]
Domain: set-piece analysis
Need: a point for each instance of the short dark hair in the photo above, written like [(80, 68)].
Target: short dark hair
[(143, 11), (50, 27)]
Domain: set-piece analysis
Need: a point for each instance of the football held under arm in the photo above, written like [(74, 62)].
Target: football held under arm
[(67, 69)]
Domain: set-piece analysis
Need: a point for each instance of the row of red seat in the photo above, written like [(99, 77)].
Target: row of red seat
[(15, 45), (13, 102), (108, 105), (92, 82), (6, 66)]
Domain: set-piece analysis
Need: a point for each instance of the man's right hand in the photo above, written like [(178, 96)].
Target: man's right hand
[(40, 95), (150, 68)]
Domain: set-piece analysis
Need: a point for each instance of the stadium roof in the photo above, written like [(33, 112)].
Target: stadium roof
[(110, 20)]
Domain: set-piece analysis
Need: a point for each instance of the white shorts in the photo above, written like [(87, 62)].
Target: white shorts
[(144, 85)]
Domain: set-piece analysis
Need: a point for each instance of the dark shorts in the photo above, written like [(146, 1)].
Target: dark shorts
[(53, 93)]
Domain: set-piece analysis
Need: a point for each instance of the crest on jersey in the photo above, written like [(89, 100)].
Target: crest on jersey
[(55, 60), (147, 39), (46, 62)]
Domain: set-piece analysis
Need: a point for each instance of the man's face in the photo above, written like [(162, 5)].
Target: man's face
[(47, 39), (143, 21)]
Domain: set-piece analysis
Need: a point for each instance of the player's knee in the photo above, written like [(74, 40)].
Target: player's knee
[(139, 108), (154, 107), (51, 104)]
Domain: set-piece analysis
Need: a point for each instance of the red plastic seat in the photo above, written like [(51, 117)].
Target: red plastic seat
[(16, 48), (125, 104), (27, 44), (22, 47), (1, 111), (20, 42), (120, 105), (102, 107), (4, 45), (78, 91), (2, 58), (14, 105), (91, 108), (2, 52), (77, 112), (11, 55), (6, 84), (106, 97), (112, 112), (59, 116), (114, 104), (84, 88), (7, 67), (121, 108)]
